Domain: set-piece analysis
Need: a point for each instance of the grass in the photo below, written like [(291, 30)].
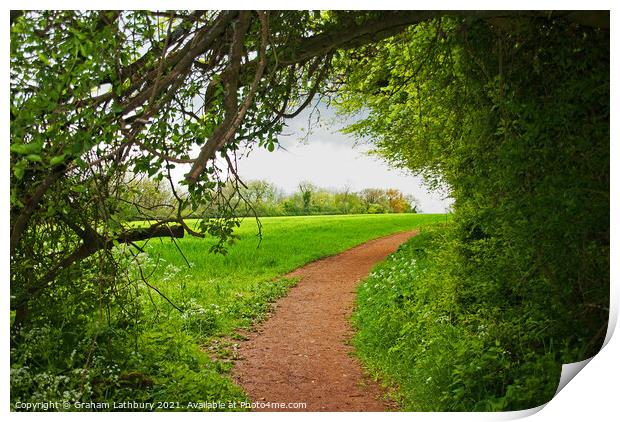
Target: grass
[(220, 294), (395, 298), (248, 271)]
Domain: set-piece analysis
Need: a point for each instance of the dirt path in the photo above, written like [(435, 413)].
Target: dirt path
[(302, 353)]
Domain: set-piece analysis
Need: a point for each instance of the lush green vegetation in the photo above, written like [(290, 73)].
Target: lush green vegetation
[(439, 354), (151, 352), (482, 315), (100, 95), (232, 282), (508, 109)]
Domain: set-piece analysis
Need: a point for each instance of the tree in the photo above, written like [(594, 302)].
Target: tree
[(97, 95), (88, 105), (397, 201), (306, 189), (513, 115), (375, 200), (343, 199), (261, 197), (147, 199)]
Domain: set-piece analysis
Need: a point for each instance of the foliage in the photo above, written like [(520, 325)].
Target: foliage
[(101, 101), (147, 199), (415, 332), (513, 115), (104, 105), (106, 364), (99, 95)]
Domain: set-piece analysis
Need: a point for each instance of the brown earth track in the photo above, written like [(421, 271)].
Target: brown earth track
[(302, 353)]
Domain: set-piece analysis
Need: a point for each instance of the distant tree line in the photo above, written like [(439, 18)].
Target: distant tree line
[(148, 199)]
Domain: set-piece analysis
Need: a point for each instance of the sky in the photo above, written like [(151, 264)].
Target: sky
[(328, 158)]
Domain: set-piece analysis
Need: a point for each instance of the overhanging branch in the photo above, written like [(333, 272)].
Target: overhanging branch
[(92, 242)]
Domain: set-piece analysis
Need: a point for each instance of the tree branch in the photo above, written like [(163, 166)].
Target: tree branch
[(94, 242), (227, 130), (30, 204)]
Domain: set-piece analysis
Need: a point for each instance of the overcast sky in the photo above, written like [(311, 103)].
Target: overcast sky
[(330, 159), (312, 149)]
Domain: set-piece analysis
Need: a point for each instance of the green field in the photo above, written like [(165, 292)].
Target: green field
[(235, 287), (181, 347)]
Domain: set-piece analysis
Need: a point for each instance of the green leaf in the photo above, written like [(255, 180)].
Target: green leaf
[(117, 108), (77, 147), (57, 159), (25, 149), (18, 171), (33, 157), (83, 50), (43, 58)]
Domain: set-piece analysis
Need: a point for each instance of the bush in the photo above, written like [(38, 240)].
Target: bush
[(520, 135), (417, 329)]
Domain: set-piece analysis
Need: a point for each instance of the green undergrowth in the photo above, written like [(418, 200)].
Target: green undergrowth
[(429, 326), (172, 341)]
